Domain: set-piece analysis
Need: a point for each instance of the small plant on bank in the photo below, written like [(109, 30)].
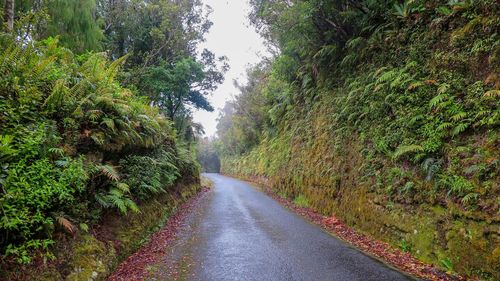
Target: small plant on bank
[(301, 201)]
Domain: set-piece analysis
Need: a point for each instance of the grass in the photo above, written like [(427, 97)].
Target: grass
[(206, 182), (301, 201)]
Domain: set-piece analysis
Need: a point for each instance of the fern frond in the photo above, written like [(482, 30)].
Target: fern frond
[(387, 76), (415, 119), (459, 116), (444, 126), (114, 67), (435, 101), (56, 151), (41, 66), (94, 114), (118, 202), (109, 123), (56, 97), (443, 88), (66, 224), (492, 94), (459, 129), (98, 138), (109, 171), (407, 149), (469, 198), (415, 85), (355, 42), (123, 187)]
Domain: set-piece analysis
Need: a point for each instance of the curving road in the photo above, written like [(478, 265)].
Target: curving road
[(239, 233)]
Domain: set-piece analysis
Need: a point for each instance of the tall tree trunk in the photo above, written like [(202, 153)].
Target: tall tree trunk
[(9, 14)]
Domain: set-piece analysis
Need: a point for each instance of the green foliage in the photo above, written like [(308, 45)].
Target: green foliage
[(242, 121), (407, 149), (162, 38), (456, 184), (397, 99), (32, 189), (77, 131), (66, 125), (148, 175), (75, 23), (301, 201), (448, 264), (403, 10), (405, 246), (208, 156), (117, 197), (170, 87)]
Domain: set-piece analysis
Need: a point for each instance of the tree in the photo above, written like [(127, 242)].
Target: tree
[(9, 14), (242, 121), (172, 87), (165, 64), (207, 155), (75, 22)]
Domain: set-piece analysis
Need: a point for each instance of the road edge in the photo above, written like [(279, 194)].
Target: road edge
[(379, 250)]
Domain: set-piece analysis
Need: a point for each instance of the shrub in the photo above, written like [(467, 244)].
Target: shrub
[(149, 175), (65, 125), (33, 190)]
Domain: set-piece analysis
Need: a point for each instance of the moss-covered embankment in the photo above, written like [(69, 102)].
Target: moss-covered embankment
[(398, 136), (95, 254), (336, 177)]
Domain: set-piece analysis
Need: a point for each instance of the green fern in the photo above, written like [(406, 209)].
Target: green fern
[(470, 198), (57, 97), (114, 67), (460, 128), (110, 124), (459, 116), (402, 10), (117, 198), (387, 76), (444, 126), (403, 150), (437, 100)]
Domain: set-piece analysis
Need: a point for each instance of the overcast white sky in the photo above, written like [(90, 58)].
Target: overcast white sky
[(231, 35)]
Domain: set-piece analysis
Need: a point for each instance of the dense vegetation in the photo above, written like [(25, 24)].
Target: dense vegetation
[(84, 133), (385, 113), (207, 155)]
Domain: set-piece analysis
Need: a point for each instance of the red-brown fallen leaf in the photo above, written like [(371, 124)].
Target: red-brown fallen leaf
[(134, 267), (393, 256)]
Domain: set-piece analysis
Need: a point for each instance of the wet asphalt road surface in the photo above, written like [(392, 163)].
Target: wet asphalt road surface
[(239, 233)]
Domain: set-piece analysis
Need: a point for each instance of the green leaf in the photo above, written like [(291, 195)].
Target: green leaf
[(407, 149)]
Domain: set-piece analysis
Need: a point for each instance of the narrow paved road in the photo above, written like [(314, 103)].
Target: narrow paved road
[(239, 233)]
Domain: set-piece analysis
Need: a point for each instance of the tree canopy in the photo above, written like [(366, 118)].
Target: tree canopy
[(96, 98)]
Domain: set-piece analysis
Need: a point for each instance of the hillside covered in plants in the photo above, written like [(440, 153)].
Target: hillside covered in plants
[(96, 127), (383, 113)]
